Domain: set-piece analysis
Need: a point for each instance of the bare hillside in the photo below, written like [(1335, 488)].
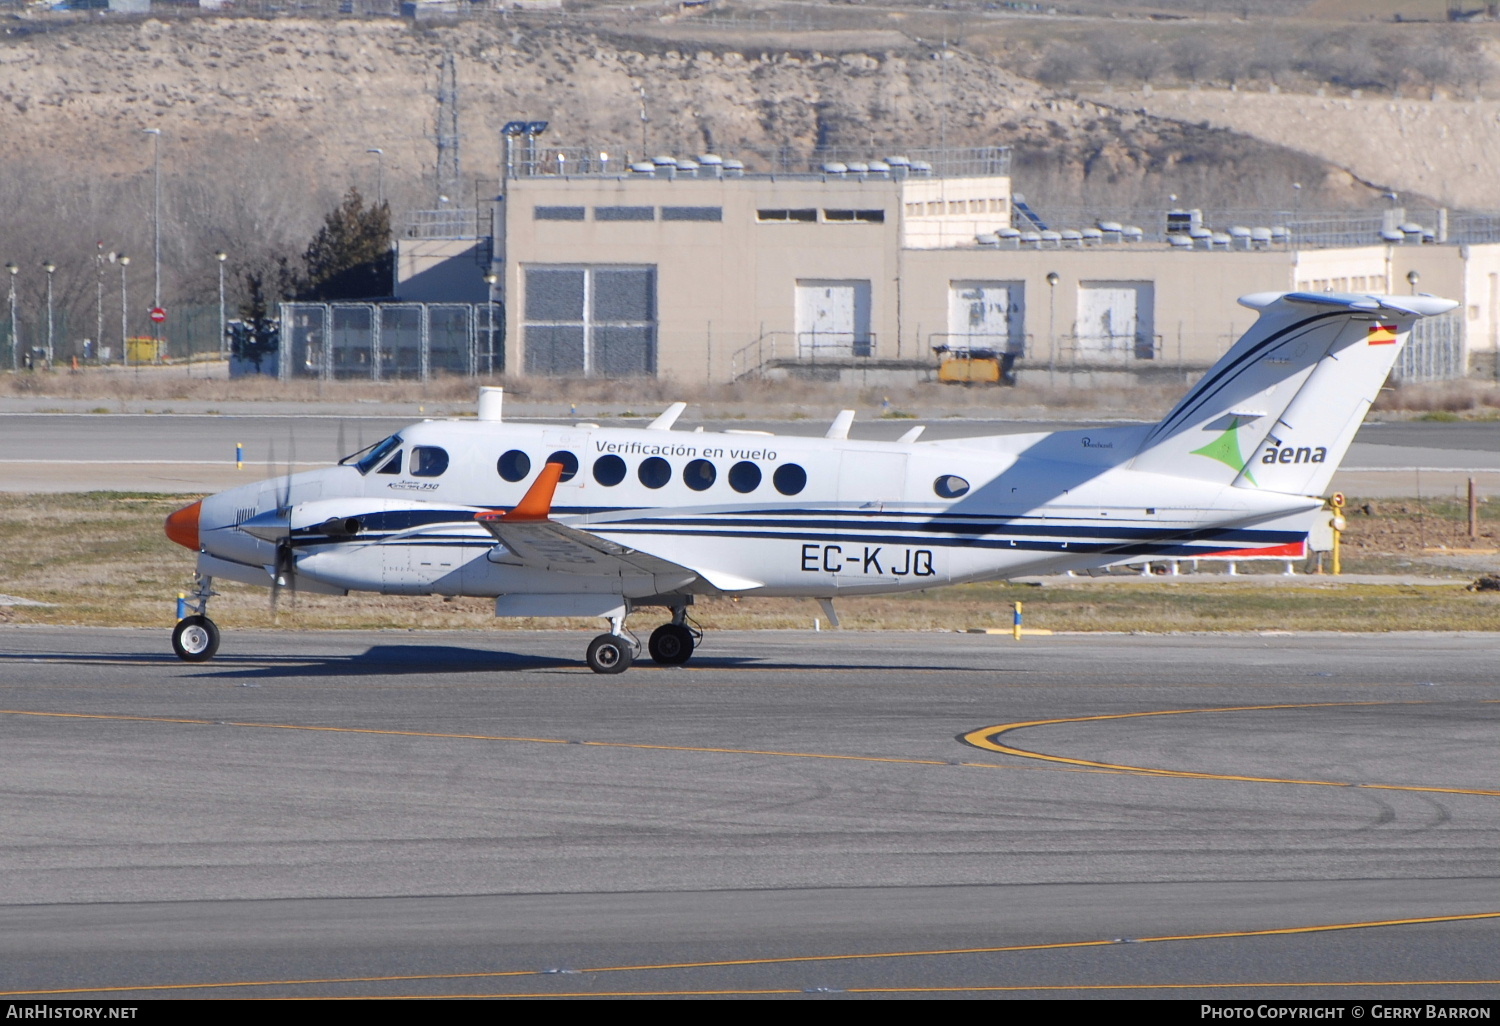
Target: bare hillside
[(264, 122)]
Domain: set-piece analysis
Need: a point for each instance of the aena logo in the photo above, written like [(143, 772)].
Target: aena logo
[(1289, 454)]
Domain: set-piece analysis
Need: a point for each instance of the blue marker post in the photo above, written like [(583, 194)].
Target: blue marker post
[(239, 456), (181, 606), (1016, 623)]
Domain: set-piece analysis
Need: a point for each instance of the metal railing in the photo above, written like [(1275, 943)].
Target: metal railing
[(804, 347), (1104, 350), (959, 343), (446, 223)]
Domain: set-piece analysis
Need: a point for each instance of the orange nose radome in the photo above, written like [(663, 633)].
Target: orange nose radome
[(182, 526)]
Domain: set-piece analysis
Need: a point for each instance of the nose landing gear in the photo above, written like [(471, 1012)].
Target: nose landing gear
[(195, 639)]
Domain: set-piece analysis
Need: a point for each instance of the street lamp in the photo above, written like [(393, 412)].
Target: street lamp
[(1052, 279), (1412, 277), (379, 174), (15, 338), (155, 134), (124, 318), (489, 318), (221, 257), (49, 267)]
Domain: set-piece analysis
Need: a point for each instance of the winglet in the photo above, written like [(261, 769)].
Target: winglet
[(840, 426), (536, 504), (667, 418)]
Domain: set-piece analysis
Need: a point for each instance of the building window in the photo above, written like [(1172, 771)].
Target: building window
[(855, 216), (934, 207), (558, 213), (997, 206), (799, 216), (692, 213), (914, 210), (624, 213), (958, 207), (595, 321)]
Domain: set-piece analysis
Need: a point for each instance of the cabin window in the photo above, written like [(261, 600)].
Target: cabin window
[(609, 470), (428, 461), (744, 476), (699, 475), (514, 465), (789, 479), (654, 472), (950, 486), (569, 463)]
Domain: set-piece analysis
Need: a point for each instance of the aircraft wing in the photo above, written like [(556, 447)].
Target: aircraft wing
[(529, 537), (548, 545)]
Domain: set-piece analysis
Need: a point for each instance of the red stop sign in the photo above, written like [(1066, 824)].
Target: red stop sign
[(158, 314)]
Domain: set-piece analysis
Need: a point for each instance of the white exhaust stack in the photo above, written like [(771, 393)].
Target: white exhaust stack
[(490, 400)]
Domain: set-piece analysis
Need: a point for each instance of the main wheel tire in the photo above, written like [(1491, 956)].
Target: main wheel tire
[(195, 639), (671, 644), (610, 653)]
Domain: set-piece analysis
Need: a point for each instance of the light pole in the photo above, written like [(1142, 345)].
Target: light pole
[(221, 257), (1052, 279), (1412, 277), (489, 318), (155, 134), (98, 296), (15, 337), (124, 318), (379, 174), (49, 267)]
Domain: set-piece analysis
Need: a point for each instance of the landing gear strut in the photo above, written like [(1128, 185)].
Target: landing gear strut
[(195, 639)]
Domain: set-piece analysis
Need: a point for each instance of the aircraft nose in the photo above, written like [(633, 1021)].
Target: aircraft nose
[(182, 526)]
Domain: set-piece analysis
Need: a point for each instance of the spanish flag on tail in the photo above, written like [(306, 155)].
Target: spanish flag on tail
[(1381, 335)]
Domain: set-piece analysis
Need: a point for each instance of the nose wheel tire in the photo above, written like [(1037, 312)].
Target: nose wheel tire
[(671, 644), (195, 639), (610, 653)]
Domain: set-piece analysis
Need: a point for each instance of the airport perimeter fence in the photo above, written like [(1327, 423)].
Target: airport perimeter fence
[(1433, 352), (384, 341)]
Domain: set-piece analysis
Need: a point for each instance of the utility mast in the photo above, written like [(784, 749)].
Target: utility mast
[(449, 181)]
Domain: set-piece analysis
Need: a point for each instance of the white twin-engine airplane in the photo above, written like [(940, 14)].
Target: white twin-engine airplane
[(591, 521)]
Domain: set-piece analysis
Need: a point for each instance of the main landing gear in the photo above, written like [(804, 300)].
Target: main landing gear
[(195, 639), (671, 644)]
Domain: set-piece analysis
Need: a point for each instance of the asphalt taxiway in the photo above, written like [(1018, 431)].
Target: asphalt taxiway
[(195, 453), (397, 813)]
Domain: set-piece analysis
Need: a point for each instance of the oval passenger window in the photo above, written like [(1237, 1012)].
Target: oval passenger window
[(744, 476), (428, 461), (654, 472), (514, 465), (699, 474), (609, 470), (569, 463), (950, 486), (789, 479)]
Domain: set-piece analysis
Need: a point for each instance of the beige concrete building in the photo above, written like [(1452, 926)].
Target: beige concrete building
[(703, 276)]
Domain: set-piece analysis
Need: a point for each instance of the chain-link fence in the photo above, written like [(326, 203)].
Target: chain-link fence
[(1433, 352), (382, 341)]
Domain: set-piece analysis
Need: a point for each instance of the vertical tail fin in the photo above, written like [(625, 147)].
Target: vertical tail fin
[(1280, 409)]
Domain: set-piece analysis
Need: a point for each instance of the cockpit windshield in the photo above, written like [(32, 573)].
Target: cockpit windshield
[(370, 456)]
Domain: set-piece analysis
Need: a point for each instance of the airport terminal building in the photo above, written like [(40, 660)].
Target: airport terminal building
[(699, 271)]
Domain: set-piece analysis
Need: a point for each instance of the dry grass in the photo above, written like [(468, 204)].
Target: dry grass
[(100, 559)]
